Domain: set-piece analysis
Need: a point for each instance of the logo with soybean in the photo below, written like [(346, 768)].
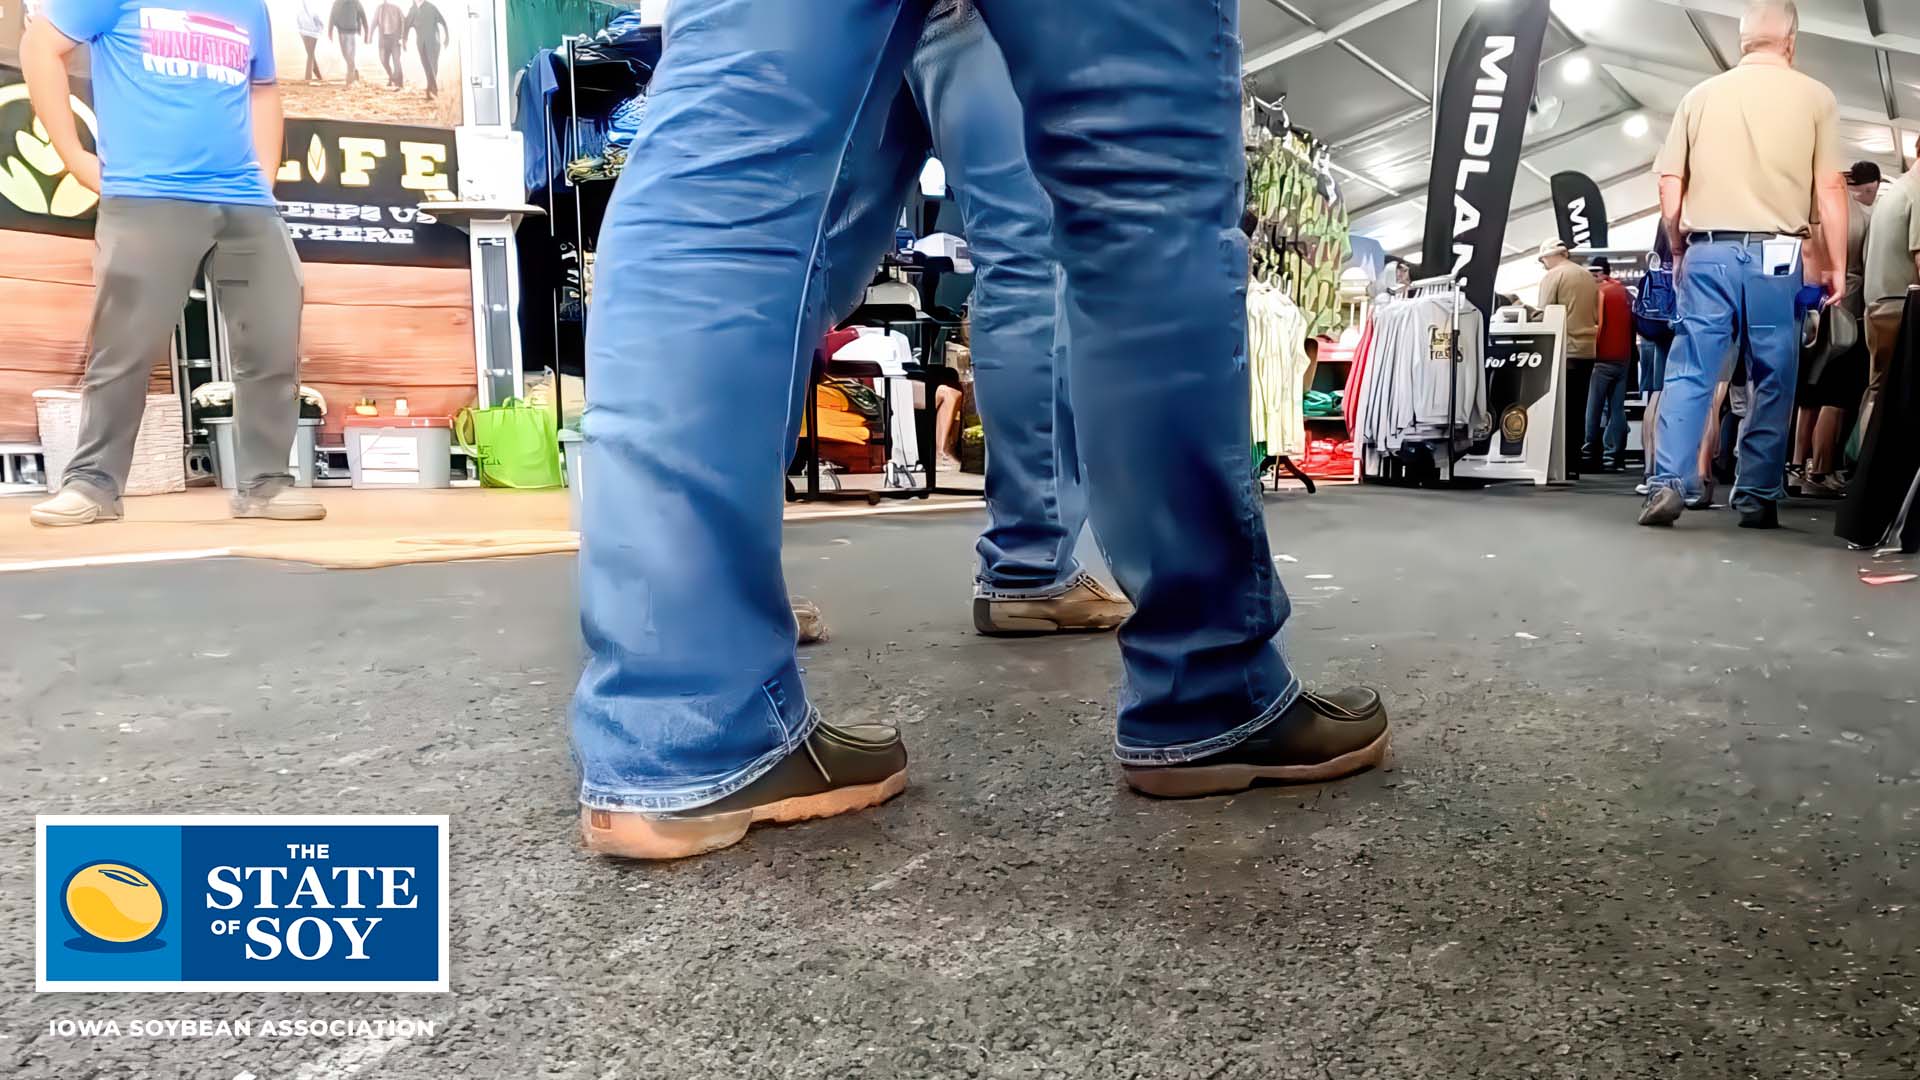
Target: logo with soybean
[(114, 905), (242, 903)]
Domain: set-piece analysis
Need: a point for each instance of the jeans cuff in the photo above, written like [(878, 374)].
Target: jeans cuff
[(1176, 755), (1070, 576), (699, 793)]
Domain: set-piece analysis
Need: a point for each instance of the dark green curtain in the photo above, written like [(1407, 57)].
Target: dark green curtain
[(533, 25)]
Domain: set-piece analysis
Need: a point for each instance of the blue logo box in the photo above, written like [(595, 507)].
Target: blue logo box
[(242, 903)]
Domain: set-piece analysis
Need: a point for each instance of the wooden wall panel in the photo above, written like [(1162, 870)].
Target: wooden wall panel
[(46, 295), (378, 331), (385, 332), (40, 257)]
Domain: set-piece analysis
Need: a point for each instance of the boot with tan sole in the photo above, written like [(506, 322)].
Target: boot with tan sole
[(1087, 606), (1318, 738), (836, 771)]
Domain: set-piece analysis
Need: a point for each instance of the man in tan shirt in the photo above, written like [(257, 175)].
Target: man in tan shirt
[(1751, 152), (1573, 287)]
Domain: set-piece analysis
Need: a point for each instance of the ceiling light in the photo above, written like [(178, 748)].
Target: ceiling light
[(1636, 126), (1577, 69)]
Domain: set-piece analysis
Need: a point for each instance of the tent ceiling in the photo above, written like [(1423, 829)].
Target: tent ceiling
[(1358, 74)]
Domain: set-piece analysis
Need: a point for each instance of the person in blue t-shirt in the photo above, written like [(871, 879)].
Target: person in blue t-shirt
[(189, 131)]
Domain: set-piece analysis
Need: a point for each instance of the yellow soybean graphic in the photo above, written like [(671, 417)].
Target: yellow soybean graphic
[(114, 902)]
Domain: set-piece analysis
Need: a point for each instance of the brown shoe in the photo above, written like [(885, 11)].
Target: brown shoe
[(807, 618), (837, 771), (1086, 606), (1318, 738)]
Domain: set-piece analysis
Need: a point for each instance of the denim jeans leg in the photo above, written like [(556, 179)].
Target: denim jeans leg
[(1772, 349), (708, 303), (1597, 382), (1034, 506), (1146, 178), (1707, 326), (1616, 429)]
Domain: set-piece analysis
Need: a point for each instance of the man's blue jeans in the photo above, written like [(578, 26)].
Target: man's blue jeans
[(961, 106), (1728, 301), (1607, 404), (712, 288)]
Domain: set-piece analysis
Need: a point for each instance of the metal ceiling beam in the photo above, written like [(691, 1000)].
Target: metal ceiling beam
[(1367, 180), (1687, 77), (1374, 131), (1400, 120), (1544, 145), (1581, 43), (1706, 38), (1335, 36), (1818, 27), (1281, 53), (1532, 208)]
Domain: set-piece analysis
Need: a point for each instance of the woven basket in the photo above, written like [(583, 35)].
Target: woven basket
[(159, 461)]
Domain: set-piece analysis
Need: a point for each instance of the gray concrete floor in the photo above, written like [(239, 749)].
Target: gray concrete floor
[(1651, 815)]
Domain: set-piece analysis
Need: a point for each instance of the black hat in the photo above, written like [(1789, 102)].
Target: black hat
[(1863, 172), (1601, 264)]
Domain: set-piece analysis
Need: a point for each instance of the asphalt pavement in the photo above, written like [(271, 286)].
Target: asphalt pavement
[(1651, 814)]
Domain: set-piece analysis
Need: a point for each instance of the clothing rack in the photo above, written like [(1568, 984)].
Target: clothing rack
[(1450, 287)]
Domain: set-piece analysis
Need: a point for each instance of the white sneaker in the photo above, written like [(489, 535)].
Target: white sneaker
[(71, 507), (1640, 488), (287, 504)]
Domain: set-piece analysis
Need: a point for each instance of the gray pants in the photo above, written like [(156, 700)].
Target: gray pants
[(149, 253)]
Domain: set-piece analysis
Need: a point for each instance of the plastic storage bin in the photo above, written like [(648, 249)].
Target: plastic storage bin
[(300, 463), (399, 451)]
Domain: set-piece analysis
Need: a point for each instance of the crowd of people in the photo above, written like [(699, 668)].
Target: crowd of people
[(1791, 277)]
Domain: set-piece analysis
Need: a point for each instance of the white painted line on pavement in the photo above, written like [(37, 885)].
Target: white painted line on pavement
[(116, 560)]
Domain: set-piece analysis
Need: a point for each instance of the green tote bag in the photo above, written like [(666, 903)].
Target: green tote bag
[(516, 445)]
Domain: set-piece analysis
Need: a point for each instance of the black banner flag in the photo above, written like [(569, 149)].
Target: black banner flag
[(1579, 210), (1483, 115)]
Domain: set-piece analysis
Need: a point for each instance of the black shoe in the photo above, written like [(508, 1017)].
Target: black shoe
[(1761, 515), (1317, 738)]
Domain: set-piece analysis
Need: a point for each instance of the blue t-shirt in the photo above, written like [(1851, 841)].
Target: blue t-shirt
[(172, 92)]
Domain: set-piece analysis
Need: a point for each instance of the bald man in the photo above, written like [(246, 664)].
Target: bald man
[(1750, 152)]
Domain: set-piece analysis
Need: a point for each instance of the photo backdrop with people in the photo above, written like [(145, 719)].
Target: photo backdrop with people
[(377, 61)]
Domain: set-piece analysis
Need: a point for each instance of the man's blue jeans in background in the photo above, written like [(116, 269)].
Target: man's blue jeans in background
[(712, 290), (1728, 301), (1607, 403), (961, 106)]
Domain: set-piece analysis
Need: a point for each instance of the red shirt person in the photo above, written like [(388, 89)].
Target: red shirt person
[(1607, 389)]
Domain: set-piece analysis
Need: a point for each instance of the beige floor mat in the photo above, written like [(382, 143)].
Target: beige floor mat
[(366, 554)]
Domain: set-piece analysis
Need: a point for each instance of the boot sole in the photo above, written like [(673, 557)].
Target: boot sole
[(1193, 781), (986, 624), (683, 836)]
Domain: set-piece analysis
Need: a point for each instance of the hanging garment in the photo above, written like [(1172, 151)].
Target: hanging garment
[(1879, 507), (1277, 364), (1411, 390), (892, 352)]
